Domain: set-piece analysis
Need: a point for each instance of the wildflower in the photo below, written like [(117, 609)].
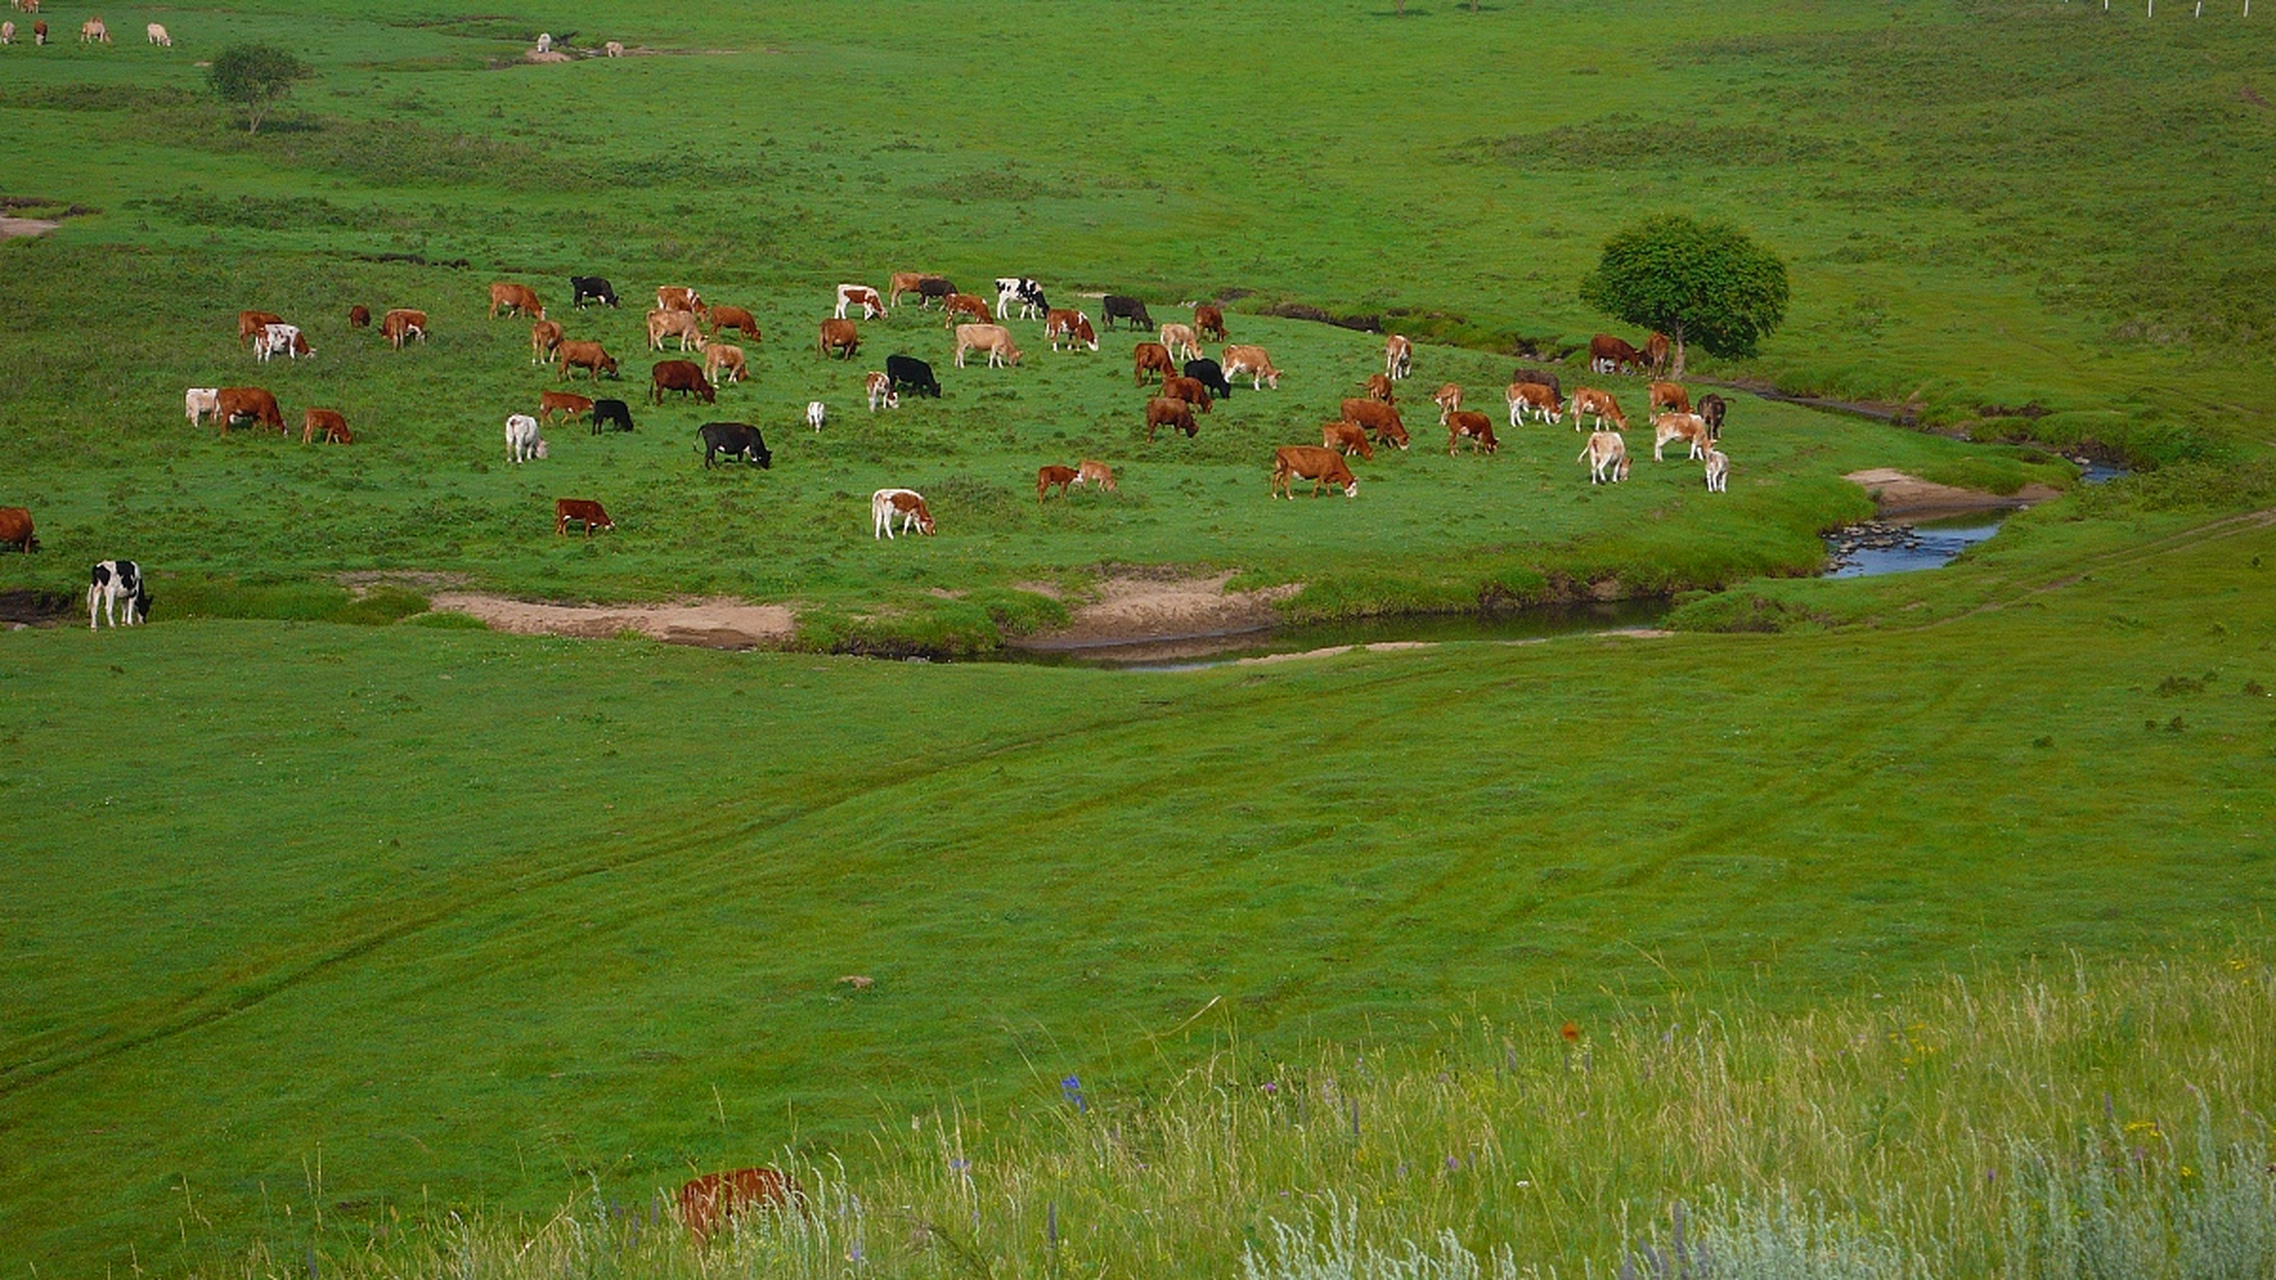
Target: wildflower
[(1270, 1086), (1453, 1163), (959, 1165), (1072, 1088)]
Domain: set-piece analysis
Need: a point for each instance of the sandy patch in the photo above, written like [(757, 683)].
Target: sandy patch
[(1136, 607), (1898, 494), (547, 55), (711, 624), (10, 228)]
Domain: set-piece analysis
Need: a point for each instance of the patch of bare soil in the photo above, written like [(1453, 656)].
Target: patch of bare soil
[(10, 228), (1135, 606), (1897, 494), (709, 624), (29, 607)]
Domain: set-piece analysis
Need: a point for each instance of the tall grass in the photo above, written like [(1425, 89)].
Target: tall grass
[(2046, 1122)]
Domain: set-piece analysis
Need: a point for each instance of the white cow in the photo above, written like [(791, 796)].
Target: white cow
[(522, 440), (281, 338), (815, 412), (1718, 471), (613, 49), (112, 581), (1606, 456), (197, 402), (545, 42), (158, 36)]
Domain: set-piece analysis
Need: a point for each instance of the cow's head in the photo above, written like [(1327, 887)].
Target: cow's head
[(1352, 490)]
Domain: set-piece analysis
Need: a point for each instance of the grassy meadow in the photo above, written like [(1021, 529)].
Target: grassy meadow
[(331, 944)]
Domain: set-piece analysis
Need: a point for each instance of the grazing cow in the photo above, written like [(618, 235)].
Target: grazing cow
[(614, 48), (1669, 396), (233, 403), (1607, 457), (403, 324), (156, 34), (1535, 398), (1150, 358), (1323, 467), (906, 506), (587, 356), (1346, 438), (1655, 353), (611, 413), (881, 392), (522, 439), (1600, 405), (723, 363), (1448, 399), (281, 337), (1118, 307), (906, 282), (1607, 354), (964, 304), (675, 297), (932, 287), (735, 318), (197, 402), (1091, 471), (112, 581), (584, 289), (1209, 321), (359, 317), (816, 414), (16, 530), (545, 42), (1071, 326), (93, 30), (7, 33), (1398, 356), (1687, 427), (1046, 477), (515, 299), (912, 373), (1027, 293), (1166, 411), (1253, 362), (1718, 471), (1379, 388), (583, 510), (1711, 408), (328, 423), (994, 339), (860, 295), (684, 325), (1377, 419), (1477, 428), (544, 337), (1208, 373), (1542, 376), (39, 30), (250, 323), (711, 1201), (733, 440), (1187, 389), (839, 336), (682, 376), (1181, 341), (568, 404)]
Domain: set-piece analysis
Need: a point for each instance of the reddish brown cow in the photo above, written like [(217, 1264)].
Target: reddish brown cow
[(711, 1201), (682, 376), (1164, 411), (905, 282), (1187, 389), (359, 317), (327, 423), (253, 322), (1046, 477), (1607, 354), (1600, 405), (964, 304), (1655, 353), (1347, 438), (587, 356), (588, 513), (1379, 388), (840, 336), (401, 325), (1670, 396), (1150, 357), (1209, 322), (568, 404), (544, 336), (676, 297), (515, 299), (734, 318), (1476, 427), (16, 530), (1377, 418), (1323, 467), (249, 402)]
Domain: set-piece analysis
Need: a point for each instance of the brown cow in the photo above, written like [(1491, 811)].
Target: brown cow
[(1600, 405), (1448, 398), (1670, 396), (905, 282), (544, 337), (515, 299), (734, 318), (1607, 354), (709, 1202), (1377, 418), (674, 297), (1095, 472), (568, 404), (1164, 411), (1347, 438), (965, 304), (401, 325), (1046, 477), (359, 317), (16, 530), (1255, 363), (1711, 408), (1476, 427), (586, 355), (682, 376), (1655, 353), (253, 322), (327, 423), (727, 358), (1209, 321), (1189, 390), (1150, 357), (1379, 388), (39, 30), (1687, 427), (840, 336), (249, 402), (590, 514), (1323, 467)]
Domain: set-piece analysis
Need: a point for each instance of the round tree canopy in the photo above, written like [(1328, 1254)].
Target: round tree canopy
[(1703, 282)]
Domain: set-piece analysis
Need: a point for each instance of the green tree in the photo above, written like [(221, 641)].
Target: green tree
[(255, 76), (1702, 282)]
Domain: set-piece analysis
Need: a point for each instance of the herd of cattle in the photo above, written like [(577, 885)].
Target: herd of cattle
[(92, 31)]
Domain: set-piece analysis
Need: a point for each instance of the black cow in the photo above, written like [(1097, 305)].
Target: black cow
[(1210, 374), (736, 440), (1131, 309), (915, 374), (614, 413), (1544, 377), (594, 288), (1711, 413), (932, 287)]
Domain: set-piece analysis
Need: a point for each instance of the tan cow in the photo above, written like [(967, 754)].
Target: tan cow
[(905, 282), (1182, 341), (1323, 467), (1655, 353), (1047, 477), (1671, 397), (1168, 411), (567, 404), (1095, 472), (1153, 358), (1535, 398), (614, 48), (1687, 427), (157, 36), (1346, 437), (1253, 362), (838, 336), (7, 33), (544, 336), (1448, 399), (93, 30), (1477, 428), (687, 326), (1398, 356), (587, 356), (515, 299), (1600, 405), (723, 363), (1607, 457), (994, 339), (1379, 419), (674, 297), (402, 324)]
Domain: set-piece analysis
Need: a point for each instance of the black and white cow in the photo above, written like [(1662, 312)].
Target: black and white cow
[(736, 440), (915, 374), (611, 413), (583, 289), (112, 581), (1210, 374), (1027, 293), (1118, 307)]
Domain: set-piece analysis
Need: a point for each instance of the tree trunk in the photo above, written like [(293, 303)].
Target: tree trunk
[(1676, 374)]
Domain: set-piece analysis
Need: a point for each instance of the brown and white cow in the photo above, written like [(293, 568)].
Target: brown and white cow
[(736, 318), (1151, 357), (1687, 427), (328, 423), (515, 299), (1535, 398), (839, 336), (1323, 467), (687, 326), (587, 356), (1600, 405), (1607, 457), (965, 304), (588, 513), (1181, 341), (1168, 411), (568, 404), (1477, 428), (544, 339), (1448, 399), (1379, 387), (1671, 397), (1190, 390), (1253, 362), (1092, 471), (1347, 438), (723, 363), (905, 507), (1377, 419), (232, 403), (197, 402), (402, 324), (1607, 354), (1072, 327), (1398, 356), (39, 28), (677, 297), (1047, 477), (250, 323), (1209, 321), (859, 295), (881, 392), (994, 339)]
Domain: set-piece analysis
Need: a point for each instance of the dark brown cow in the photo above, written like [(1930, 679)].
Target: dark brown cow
[(588, 513), (359, 317), (1187, 389), (1348, 438), (1711, 409), (1476, 427), (249, 402), (1046, 477), (568, 404), (1164, 411), (16, 530), (1150, 357), (711, 1201), (1323, 467), (515, 299), (327, 423), (734, 318), (1209, 322), (253, 322), (682, 376), (840, 336), (1377, 419), (588, 356), (1607, 354)]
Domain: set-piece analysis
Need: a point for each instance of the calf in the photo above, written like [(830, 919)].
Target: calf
[(1669, 396), (522, 439), (16, 530), (568, 404), (545, 42), (284, 338), (1600, 405), (584, 289), (93, 30), (859, 295), (1607, 354), (233, 403), (1253, 362), (964, 304), (1071, 326), (1377, 419), (1209, 321), (905, 506), (1477, 428), (1164, 411), (904, 282), (611, 413), (113, 581), (1711, 408), (584, 511), (881, 392), (544, 337), (682, 376), (614, 48), (1150, 358), (515, 299), (1046, 477), (1189, 390), (735, 318), (39, 31), (1379, 388), (155, 33), (723, 363), (1181, 341), (1208, 373), (359, 317), (733, 440), (250, 323), (328, 423), (994, 339), (1448, 399), (683, 325), (1607, 457), (1535, 398), (676, 297), (838, 336), (816, 414), (1027, 293), (401, 325), (711, 1201), (1346, 438), (1687, 427), (1116, 307), (932, 287), (1655, 353), (1398, 356), (1323, 467), (1718, 471), (912, 373), (197, 402), (587, 356), (1094, 472)]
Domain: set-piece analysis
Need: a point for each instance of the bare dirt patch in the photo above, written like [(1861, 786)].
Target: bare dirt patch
[(1897, 494), (710, 624), (11, 228), (1135, 606)]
